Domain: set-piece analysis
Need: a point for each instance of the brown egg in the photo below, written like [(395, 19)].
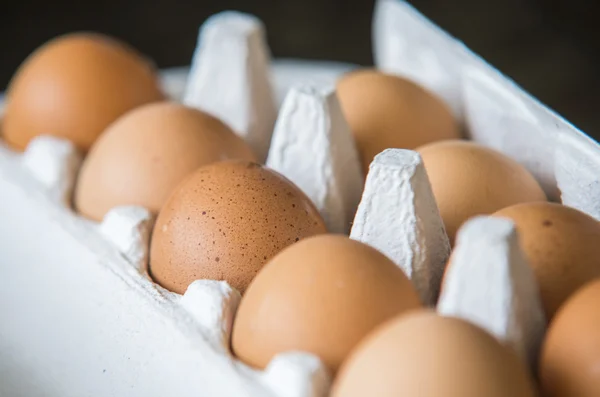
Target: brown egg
[(570, 360), (321, 295), (426, 355), (386, 111), (224, 222), (73, 87), (562, 246), (468, 179), (146, 153)]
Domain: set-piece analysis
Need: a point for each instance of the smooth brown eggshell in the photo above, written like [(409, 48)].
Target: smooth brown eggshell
[(225, 221), (386, 111), (561, 244), (73, 87), (571, 351), (468, 179), (321, 295), (147, 152), (426, 355)]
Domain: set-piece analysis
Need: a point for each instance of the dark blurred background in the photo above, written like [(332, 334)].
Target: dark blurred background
[(550, 47)]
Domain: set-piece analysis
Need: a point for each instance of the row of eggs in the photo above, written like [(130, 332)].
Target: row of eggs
[(226, 219)]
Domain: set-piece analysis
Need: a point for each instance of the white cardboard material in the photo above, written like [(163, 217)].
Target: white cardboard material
[(230, 77), (284, 72), (213, 304), (486, 97), (305, 72), (54, 162), (497, 112), (108, 330), (193, 328), (313, 147), (577, 170), (83, 321), (490, 283), (128, 229), (297, 374), (398, 216), (406, 43)]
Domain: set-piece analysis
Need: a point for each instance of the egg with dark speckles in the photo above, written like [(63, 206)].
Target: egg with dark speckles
[(561, 245), (224, 222)]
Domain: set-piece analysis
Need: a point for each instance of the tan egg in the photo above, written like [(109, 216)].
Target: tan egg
[(73, 87), (321, 295), (570, 360), (562, 246), (224, 222), (146, 153), (426, 355), (386, 111), (468, 179)]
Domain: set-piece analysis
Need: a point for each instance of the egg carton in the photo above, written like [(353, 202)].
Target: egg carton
[(81, 317)]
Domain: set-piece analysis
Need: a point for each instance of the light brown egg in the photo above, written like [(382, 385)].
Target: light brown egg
[(224, 222), (146, 153), (321, 295), (73, 87), (561, 244), (426, 355), (468, 179), (570, 362), (386, 111)]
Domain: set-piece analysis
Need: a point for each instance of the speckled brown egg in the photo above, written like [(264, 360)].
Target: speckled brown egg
[(321, 295), (225, 221), (73, 87), (427, 355), (386, 111), (570, 361), (147, 152), (561, 244), (469, 179)]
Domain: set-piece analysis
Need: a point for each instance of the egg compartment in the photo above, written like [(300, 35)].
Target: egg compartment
[(45, 173), (118, 246), (92, 296)]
